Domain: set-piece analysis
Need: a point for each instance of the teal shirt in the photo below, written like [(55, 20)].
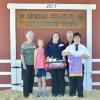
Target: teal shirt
[(27, 50)]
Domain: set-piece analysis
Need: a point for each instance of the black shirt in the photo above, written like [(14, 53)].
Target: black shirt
[(54, 50)]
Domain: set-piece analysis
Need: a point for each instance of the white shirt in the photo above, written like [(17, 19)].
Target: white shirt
[(81, 50)]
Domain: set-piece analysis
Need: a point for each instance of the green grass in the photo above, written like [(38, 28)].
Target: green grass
[(16, 95)]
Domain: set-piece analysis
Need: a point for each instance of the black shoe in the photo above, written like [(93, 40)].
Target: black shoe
[(72, 95), (61, 94), (31, 92), (80, 96), (26, 96), (54, 95)]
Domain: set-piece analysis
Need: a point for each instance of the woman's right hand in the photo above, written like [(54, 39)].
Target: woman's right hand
[(65, 54), (24, 67), (49, 58)]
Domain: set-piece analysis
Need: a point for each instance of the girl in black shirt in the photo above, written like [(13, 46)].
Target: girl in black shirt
[(53, 50)]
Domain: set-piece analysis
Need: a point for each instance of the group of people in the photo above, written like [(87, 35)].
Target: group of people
[(34, 62)]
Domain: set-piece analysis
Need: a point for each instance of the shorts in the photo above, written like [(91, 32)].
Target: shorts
[(41, 73)]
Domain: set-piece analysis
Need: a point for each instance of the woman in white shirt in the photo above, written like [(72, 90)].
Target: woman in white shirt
[(80, 52)]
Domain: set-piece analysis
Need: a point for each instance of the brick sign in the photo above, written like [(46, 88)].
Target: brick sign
[(50, 20)]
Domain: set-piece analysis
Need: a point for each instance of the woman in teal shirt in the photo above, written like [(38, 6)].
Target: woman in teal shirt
[(27, 59)]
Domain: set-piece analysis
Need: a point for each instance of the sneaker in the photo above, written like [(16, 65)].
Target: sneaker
[(38, 95), (44, 95)]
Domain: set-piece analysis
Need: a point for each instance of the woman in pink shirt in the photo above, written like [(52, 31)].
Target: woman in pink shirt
[(40, 68)]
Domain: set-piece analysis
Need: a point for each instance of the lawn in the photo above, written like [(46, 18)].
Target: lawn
[(16, 95)]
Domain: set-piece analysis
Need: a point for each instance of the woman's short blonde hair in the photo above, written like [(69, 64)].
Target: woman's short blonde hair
[(29, 33)]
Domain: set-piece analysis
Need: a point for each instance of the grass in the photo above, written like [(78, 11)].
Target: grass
[(16, 95)]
